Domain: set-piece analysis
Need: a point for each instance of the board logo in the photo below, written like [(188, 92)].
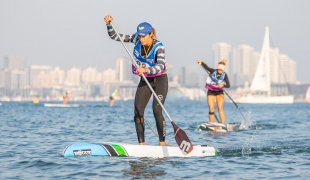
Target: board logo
[(184, 146), (82, 152)]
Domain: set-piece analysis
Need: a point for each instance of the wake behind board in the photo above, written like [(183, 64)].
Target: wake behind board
[(131, 150), (218, 127), (61, 105)]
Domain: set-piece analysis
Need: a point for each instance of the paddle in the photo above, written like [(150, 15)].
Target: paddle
[(180, 136), (230, 99)]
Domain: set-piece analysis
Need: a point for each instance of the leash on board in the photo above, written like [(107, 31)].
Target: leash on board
[(153, 130)]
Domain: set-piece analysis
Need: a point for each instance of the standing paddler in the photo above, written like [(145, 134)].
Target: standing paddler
[(149, 54), (216, 81)]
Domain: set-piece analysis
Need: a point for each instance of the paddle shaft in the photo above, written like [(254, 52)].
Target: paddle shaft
[(147, 82), (235, 104)]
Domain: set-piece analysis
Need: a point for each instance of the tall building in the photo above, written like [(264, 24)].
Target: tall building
[(282, 68), (124, 69), (57, 76), (36, 73), (221, 50), (90, 76), (274, 65), (73, 76), (190, 76), (109, 75), (14, 62), (170, 72), (244, 63), (14, 72), (287, 68), (15, 79)]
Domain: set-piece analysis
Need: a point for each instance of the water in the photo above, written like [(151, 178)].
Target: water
[(275, 146)]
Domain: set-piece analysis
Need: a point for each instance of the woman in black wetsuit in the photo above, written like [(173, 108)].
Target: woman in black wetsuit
[(216, 81), (149, 54)]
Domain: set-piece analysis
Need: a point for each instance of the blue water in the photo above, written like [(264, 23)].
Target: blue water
[(275, 146)]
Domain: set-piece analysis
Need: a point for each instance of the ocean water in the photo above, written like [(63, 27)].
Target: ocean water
[(274, 145)]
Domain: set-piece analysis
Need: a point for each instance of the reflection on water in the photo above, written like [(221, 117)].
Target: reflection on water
[(145, 168)]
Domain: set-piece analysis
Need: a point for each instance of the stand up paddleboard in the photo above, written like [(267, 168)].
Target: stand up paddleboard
[(120, 149), (218, 127), (61, 105)]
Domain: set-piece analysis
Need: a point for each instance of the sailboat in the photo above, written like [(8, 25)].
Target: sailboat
[(308, 95), (260, 89)]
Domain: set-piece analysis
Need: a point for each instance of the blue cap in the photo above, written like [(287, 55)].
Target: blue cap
[(143, 29)]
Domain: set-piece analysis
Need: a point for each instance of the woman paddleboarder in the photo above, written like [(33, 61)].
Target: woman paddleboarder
[(149, 54), (216, 81), (65, 98)]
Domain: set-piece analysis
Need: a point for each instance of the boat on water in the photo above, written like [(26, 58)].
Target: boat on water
[(132, 150), (61, 105), (219, 127), (260, 89)]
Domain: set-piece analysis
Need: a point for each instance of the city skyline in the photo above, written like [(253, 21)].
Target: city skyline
[(243, 61), (75, 33)]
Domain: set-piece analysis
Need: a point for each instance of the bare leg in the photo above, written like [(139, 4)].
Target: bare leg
[(220, 107), (211, 99)]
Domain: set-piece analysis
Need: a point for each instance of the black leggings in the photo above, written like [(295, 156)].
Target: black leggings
[(143, 95)]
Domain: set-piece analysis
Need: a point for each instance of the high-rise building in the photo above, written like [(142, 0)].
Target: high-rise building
[(190, 76), (109, 75), (170, 72), (73, 76), (124, 69), (38, 76), (221, 50), (282, 68), (57, 76), (287, 68), (14, 62), (90, 76), (15, 79), (244, 63)]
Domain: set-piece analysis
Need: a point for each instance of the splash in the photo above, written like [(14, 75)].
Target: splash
[(246, 123), (246, 149)]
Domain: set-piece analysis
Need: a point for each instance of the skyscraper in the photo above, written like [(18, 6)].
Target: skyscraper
[(123, 69), (14, 62), (244, 63), (36, 73), (221, 50), (74, 76), (190, 76)]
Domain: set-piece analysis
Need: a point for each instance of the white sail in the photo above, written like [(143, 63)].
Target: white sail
[(261, 80)]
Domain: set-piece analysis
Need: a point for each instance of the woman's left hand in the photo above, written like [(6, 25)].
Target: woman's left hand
[(141, 70), (220, 85)]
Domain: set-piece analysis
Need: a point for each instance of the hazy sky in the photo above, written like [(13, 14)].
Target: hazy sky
[(65, 33)]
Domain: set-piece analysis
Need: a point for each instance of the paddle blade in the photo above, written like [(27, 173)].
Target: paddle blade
[(182, 140)]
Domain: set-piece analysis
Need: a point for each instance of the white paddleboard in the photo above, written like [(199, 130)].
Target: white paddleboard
[(61, 105), (132, 150), (218, 127)]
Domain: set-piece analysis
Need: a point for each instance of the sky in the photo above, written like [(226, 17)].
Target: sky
[(67, 33)]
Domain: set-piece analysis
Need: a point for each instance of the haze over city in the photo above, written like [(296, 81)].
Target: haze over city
[(73, 33)]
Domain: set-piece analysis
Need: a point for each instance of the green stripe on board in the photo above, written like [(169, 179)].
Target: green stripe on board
[(120, 150)]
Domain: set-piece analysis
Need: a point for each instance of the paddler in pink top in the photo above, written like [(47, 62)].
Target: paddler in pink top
[(216, 81)]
